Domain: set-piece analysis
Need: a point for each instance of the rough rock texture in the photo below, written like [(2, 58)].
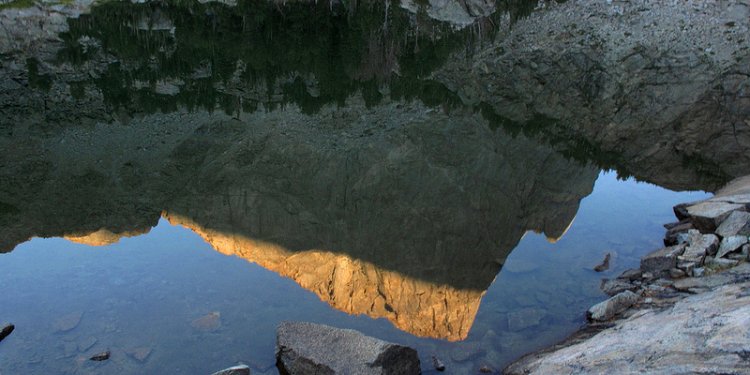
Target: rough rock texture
[(607, 309), (662, 82), (735, 224), (662, 260), (706, 333), (307, 348)]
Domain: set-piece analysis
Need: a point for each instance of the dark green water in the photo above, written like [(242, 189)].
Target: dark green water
[(177, 178)]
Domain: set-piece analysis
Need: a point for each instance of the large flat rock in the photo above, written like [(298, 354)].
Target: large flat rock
[(308, 348), (702, 334)]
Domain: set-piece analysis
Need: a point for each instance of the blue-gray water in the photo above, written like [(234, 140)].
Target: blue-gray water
[(145, 291)]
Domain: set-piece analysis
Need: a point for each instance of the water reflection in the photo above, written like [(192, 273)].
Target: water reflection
[(428, 209), (312, 139)]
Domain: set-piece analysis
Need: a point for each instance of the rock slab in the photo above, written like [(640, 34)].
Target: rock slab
[(702, 334), (662, 260), (606, 310), (308, 348)]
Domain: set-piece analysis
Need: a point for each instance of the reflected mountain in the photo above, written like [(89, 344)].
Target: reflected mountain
[(368, 208), (335, 145)]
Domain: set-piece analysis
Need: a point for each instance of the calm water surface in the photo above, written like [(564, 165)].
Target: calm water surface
[(178, 178), (146, 291)]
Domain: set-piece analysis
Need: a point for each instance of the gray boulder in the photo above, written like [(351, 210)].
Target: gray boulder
[(308, 348), (737, 223), (662, 260), (730, 244), (708, 215), (699, 245), (606, 310)]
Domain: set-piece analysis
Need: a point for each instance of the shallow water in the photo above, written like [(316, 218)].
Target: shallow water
[(177, 179)]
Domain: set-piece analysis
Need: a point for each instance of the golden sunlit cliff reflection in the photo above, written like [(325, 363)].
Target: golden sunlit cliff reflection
[(357, 287)]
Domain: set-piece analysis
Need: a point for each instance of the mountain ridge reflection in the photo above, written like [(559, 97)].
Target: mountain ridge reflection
[(411, 222)]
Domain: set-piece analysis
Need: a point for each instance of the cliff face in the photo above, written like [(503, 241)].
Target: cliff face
[(659, 84)]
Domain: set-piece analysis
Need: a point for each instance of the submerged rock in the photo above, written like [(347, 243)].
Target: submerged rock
[(521, 319), (235, 370), (209, 322), (68, 322), (141, 354), (308, 348), (606, 310)]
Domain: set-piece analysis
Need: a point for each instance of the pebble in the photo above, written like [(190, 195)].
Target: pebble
[(7, 330), (103, 356), (439, 365)]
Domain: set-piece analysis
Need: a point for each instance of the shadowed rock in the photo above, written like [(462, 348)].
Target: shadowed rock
[(307, 348)]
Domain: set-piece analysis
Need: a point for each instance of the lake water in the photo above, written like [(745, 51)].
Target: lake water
[(178, 179)]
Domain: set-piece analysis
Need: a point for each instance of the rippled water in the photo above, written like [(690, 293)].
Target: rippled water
[(177, 178)]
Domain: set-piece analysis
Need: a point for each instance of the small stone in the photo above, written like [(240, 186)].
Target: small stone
[(7, 330), (438, 364), (612, 287), (698, 271), (647, 276), (648, 300), (209, 322), (662, 260), (140, 354), (737, 223), (68, 322), (606, 310), (730, 244), (604, 265), (677, 273), (235, 370), (631, 274), (103, 356)]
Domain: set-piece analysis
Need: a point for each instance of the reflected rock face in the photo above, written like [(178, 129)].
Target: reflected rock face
[(397, 211), (668, 98)]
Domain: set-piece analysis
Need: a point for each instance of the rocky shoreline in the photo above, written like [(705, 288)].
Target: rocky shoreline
[(685, 310)]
